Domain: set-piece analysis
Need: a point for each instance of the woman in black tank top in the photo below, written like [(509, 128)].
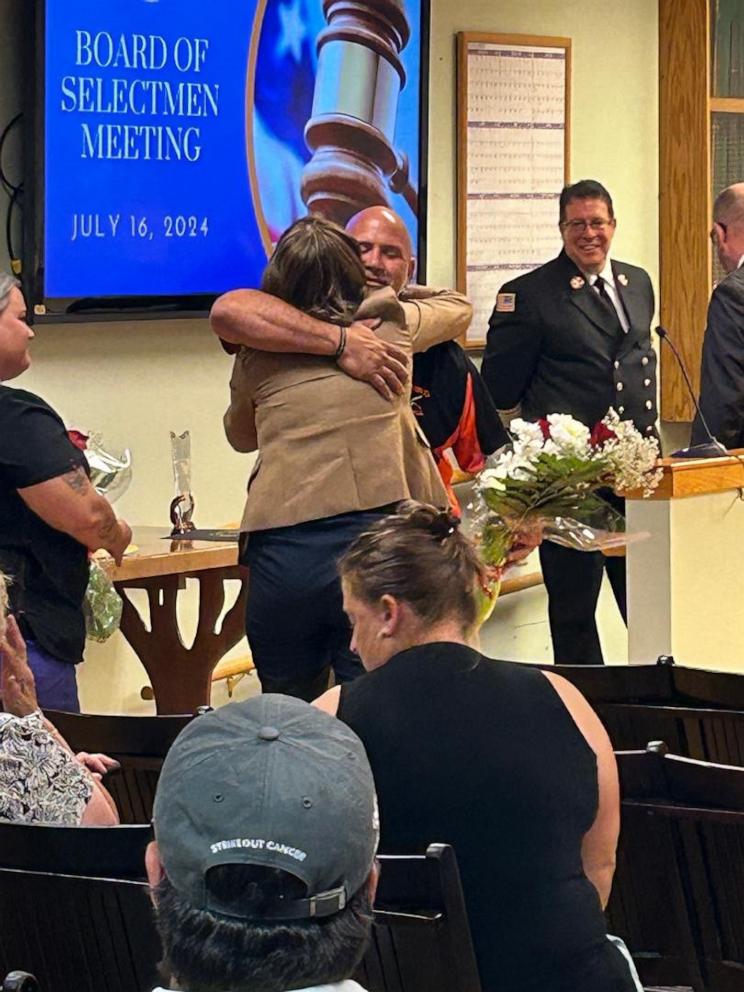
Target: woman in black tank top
[(507, 763)]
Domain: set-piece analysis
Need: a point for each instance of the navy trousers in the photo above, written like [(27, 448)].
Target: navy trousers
[(295, 623)]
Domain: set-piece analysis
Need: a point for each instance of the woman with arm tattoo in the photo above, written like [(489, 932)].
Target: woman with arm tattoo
[(50, 518)]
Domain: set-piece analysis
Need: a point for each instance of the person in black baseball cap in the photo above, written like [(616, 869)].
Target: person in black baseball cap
[(263, 865)]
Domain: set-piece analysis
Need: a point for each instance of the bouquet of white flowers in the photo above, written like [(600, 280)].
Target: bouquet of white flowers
[(548, 483)]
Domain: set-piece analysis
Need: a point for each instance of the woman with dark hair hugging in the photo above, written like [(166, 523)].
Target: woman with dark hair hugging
[(506, 762), (334, 457)]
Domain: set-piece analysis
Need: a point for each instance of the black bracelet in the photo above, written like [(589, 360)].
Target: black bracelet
[(341, 342)]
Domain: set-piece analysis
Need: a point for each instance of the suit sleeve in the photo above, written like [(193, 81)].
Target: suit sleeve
[(435, 315), (722, 375), (240, 417), (512, 352)]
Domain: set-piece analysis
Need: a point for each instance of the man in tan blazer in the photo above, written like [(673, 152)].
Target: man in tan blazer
[(335, 455)]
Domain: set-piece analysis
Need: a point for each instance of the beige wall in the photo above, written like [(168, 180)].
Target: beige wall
[(135, 381), (614, 110)]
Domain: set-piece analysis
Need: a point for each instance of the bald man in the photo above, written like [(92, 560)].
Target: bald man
[(386, 247), (451, 404), (722, 374), (255, 319)]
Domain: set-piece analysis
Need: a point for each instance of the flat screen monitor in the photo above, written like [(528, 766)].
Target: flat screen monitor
[(174, 140)]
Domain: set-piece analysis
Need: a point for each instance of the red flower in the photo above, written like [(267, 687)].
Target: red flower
[(545, 428), (600, 434), (79, 439)]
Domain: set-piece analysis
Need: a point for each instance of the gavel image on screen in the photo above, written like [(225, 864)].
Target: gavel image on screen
[(355, 105)]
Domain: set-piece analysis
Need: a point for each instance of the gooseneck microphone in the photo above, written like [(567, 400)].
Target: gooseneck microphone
[(712, 448)]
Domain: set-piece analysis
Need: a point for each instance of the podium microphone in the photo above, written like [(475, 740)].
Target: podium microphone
[(712, 448)]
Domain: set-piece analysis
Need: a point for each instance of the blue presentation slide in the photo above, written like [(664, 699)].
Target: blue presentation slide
[(176, 138)]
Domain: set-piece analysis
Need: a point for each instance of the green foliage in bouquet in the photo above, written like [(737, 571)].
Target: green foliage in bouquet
[(552, 475), (564, 483)]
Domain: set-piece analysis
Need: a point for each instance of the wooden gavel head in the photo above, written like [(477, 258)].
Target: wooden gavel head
[(352, 127)]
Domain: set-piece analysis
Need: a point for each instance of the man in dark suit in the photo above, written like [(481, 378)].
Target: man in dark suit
[(573, 336), (722, 374)]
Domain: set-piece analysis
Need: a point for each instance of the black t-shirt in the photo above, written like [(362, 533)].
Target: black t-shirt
[(48, 569)]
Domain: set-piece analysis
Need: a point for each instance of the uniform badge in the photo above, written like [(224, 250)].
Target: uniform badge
[(622, 279), (506, 303), (577, 282)]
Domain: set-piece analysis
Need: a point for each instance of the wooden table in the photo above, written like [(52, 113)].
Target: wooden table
[(180, 676)]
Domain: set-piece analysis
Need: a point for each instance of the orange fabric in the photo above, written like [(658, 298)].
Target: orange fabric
[(445, 470), (465, 445)]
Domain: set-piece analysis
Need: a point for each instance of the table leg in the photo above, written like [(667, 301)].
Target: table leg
[(181, 676)]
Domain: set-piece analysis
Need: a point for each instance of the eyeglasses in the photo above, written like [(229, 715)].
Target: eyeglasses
[(579, 226)]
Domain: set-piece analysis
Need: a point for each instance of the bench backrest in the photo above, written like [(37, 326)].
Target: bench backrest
[(421, 937), (139, 744), (687, 817), (77, 934)]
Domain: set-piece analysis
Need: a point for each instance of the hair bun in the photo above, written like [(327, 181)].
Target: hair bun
[(444, 525)]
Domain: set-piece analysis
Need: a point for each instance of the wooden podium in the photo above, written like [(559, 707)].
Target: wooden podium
[(686, 580)]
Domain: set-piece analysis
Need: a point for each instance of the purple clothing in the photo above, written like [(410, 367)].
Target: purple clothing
[(56, 685)]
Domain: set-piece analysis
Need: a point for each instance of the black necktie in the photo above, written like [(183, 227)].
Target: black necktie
[(601, 288), (600, 285)]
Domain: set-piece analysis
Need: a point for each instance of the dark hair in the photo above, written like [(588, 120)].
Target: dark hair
[(208, 952), (585, 189), (317, 267), (419, 556)]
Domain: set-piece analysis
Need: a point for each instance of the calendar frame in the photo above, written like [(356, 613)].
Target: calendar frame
[(475, 338)]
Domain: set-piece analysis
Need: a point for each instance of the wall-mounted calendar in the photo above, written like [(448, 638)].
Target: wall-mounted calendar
[(513, 154)]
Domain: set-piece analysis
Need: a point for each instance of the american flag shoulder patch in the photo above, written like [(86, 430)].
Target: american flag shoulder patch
[(506, 303)]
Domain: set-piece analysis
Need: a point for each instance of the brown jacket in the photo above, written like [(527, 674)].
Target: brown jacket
[(328, 443)]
